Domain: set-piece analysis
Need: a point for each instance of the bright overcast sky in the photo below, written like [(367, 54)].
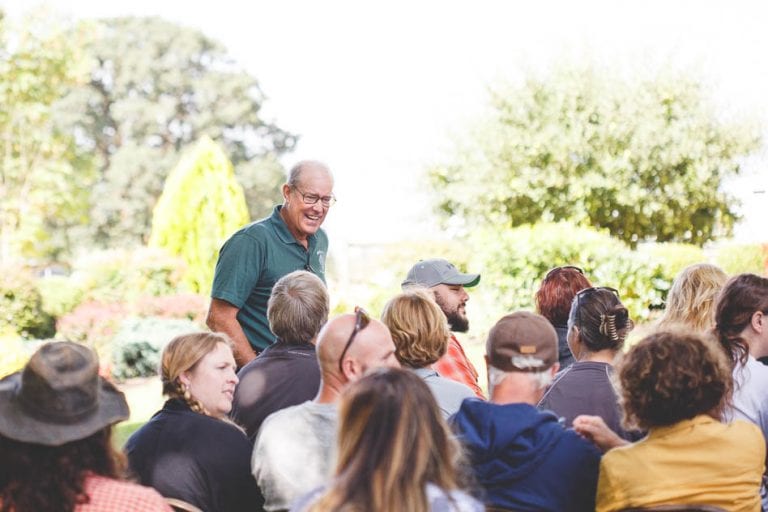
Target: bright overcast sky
[(379, 90)]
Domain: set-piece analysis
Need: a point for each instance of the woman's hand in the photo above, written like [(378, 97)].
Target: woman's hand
[(594, 429)]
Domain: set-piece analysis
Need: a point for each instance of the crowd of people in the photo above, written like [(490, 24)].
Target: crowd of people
[(283, 408)]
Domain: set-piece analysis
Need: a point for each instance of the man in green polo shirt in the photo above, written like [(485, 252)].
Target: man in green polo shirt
[(256, 256)]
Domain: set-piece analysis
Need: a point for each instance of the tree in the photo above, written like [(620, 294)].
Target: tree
[(201, 205), (644, 159), (44, 178), (155, 88)]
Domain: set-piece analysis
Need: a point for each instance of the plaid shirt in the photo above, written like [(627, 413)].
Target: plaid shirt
[(454, 365), (109, 495)]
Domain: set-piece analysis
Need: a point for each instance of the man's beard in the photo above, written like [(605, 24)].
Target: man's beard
[(456, 321)]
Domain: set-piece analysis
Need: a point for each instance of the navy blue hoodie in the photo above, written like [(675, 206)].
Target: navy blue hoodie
[(525, 460)]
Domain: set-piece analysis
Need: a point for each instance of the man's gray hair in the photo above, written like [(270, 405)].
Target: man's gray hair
[(294, 175), (539, 380), (298, 307)]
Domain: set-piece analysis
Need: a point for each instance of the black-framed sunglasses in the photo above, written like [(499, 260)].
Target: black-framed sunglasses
[(564, 267), (587, 291), (361, 322)]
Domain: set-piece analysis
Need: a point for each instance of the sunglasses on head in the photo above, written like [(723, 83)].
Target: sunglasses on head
[(361, 322), (564, 267), (588, 291)]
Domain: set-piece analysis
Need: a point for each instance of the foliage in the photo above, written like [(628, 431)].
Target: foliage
[(155, 88), (119, 275), (515, 261), (741, 258), (674, 257), (137, 346), (643, 159), (93, 324), (60, 294), (21, 306), (14, 354), (44, 177), (187, 306), (201, 205)]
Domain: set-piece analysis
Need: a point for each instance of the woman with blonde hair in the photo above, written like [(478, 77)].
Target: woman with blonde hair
[(189, 450), (691, 299), (420, 332), (394, 452)]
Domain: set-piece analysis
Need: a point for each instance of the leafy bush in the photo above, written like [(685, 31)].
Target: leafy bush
[(115, 276), (673, 257), (21, 306), (94, 324), (14, 354), (741, 258), (515, 261), (60, 294), (188, 306), (137, 346)]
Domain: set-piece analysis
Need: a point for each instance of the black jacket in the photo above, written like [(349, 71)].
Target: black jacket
[(201, 460)]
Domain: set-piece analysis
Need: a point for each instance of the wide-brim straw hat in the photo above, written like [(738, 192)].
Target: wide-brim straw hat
[(59, 397)]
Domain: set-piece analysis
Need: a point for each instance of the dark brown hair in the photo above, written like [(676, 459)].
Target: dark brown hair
[(602, 319), (41, 478), (742, 297), (392, 442), (672, 376), (554, 296)]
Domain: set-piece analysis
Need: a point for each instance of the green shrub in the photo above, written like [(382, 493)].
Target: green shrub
[(137, 345), (60, 294), (673, 257), (122, 276), (14, 353), (741, 258), (515, 261), (21, 306), (93, 324)]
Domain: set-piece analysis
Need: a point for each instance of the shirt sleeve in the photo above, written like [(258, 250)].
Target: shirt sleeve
[(238, 269)]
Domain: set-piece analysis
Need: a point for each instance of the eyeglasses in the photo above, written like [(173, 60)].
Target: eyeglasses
[(587, 291), (564, 267), (361, 322), (309, 199)]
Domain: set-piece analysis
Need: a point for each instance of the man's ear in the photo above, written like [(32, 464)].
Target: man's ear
[(554, 369), (286, 191)]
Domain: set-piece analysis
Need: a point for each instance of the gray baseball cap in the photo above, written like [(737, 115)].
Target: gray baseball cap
[(436, 271)]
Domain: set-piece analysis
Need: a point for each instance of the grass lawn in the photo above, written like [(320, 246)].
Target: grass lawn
[(145, 398)]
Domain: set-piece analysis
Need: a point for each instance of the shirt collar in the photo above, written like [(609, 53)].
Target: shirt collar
[(688, 424), (282, 230)]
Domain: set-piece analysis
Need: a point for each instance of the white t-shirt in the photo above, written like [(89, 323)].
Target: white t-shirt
[(294, 452)]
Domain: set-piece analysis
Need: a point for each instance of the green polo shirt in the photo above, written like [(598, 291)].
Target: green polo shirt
[(252, 261)]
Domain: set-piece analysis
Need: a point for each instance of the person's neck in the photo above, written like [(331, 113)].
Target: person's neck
[(516, 388), (302, 239), (601, 356), (330, 391)]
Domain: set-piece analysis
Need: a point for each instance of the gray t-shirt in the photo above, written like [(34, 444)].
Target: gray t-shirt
[(448, 393), (294, 452)]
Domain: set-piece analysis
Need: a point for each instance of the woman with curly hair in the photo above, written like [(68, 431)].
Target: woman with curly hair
[(598, 324), (394, 452), (676, 386), (420, 332), (189, 450), (553, 302), (691, 300), (56, 453)]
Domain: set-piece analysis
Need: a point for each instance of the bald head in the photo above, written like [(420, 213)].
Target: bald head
[(308, 167), (372, 347)]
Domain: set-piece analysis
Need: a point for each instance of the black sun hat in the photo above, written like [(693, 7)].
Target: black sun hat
[(58, 397)]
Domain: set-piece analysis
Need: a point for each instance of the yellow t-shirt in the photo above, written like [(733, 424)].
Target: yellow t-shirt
[(697, 461)]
